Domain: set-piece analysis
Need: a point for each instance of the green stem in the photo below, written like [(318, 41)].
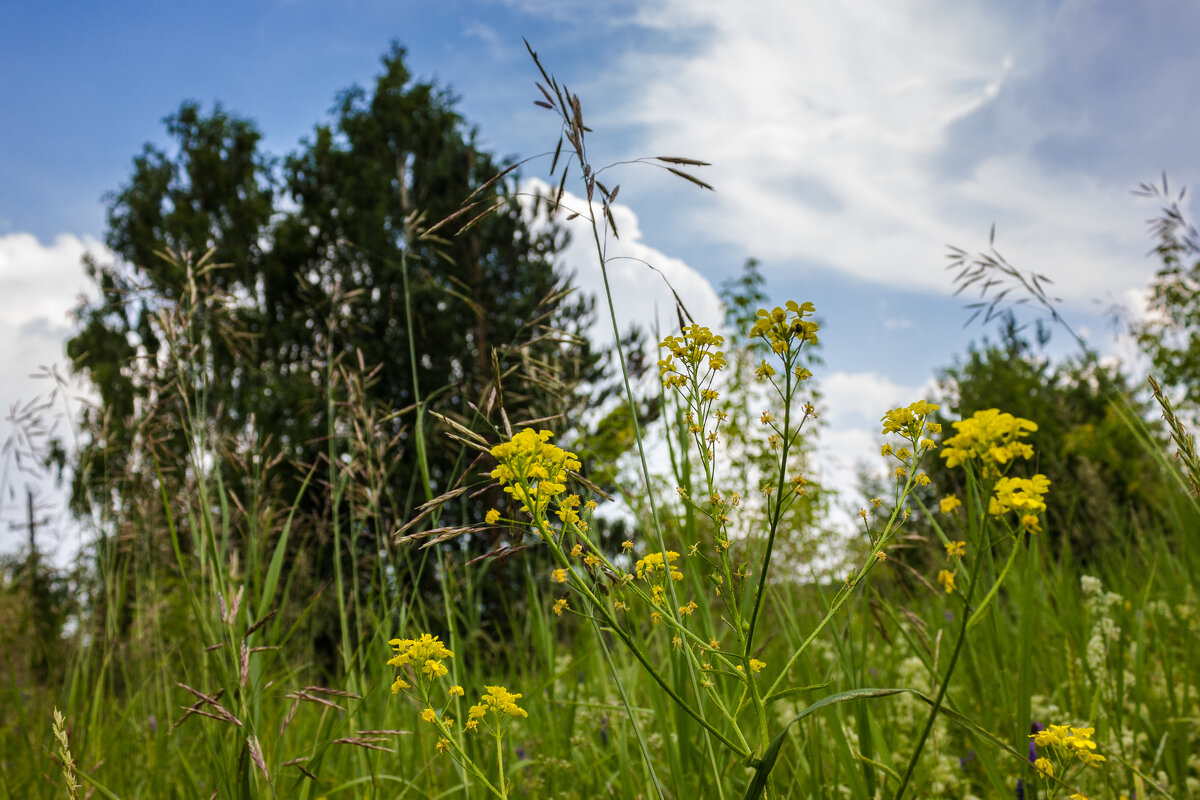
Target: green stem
[(500, 764), (978, 615), (937, 703), (777, 515), (627, 640)]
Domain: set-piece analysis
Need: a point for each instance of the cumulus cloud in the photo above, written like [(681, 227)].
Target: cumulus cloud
[(39, 286), (852, 405), (865, 140)]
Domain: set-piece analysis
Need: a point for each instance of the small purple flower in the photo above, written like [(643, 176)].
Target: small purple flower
[(1034, 728)]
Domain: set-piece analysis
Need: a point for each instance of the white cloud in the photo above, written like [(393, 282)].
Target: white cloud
[(852, 405), (640, 277), (866, 138), (39, 286), (860, 397)]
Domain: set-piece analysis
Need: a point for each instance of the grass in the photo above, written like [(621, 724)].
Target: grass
[(193, 669)]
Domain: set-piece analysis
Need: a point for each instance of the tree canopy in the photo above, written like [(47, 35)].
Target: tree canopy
[(306, 302)]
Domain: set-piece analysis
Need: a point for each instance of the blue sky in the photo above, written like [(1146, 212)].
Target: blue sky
[(851, 143)]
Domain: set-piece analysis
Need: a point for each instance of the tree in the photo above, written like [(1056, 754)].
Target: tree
[(328, 324), (1104, 482), (1170, 332)]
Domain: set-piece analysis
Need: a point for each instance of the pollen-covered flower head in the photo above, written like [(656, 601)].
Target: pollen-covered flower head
[(993, 437), (1070, 742), (423, 656), (418, 652), (946, 578), (696, 347), (781, 327), (498, 701), (652, 565), (532, 470), (911, 421), (1024, 496)]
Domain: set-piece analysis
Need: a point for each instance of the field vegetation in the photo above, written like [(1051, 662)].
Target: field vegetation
[(371, 517)]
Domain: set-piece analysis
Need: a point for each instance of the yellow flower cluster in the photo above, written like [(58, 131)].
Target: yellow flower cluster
[(692, 348), (653, 563), (1025, 496), (532, 470), (912, 422), (424, 654), (991, 436), (1069, 742), (497, 701), (946, 579), (780, 327)]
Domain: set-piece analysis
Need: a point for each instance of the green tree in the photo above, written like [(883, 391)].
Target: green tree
[(328, 323), (1170, 332), (1104, 483)]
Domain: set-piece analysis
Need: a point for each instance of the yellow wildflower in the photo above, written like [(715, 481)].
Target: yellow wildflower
[(949, 503), (532, 470), (1044, 766), (561, 605), (653, 563), (434, 668), (491, 516), (499, 700), (559, 575), (946, 579), (909, 421), (956, 549), (993, 437), (429, 715), (427, 651), (1025, 496), (780, 327)]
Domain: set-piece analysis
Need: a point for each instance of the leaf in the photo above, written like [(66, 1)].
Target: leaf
[(691, 178), (557, 153), (767, 762), (786, 693), (691, 162), (612, 223)]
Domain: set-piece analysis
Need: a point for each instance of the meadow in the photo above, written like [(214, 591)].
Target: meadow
[(707, 639)]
